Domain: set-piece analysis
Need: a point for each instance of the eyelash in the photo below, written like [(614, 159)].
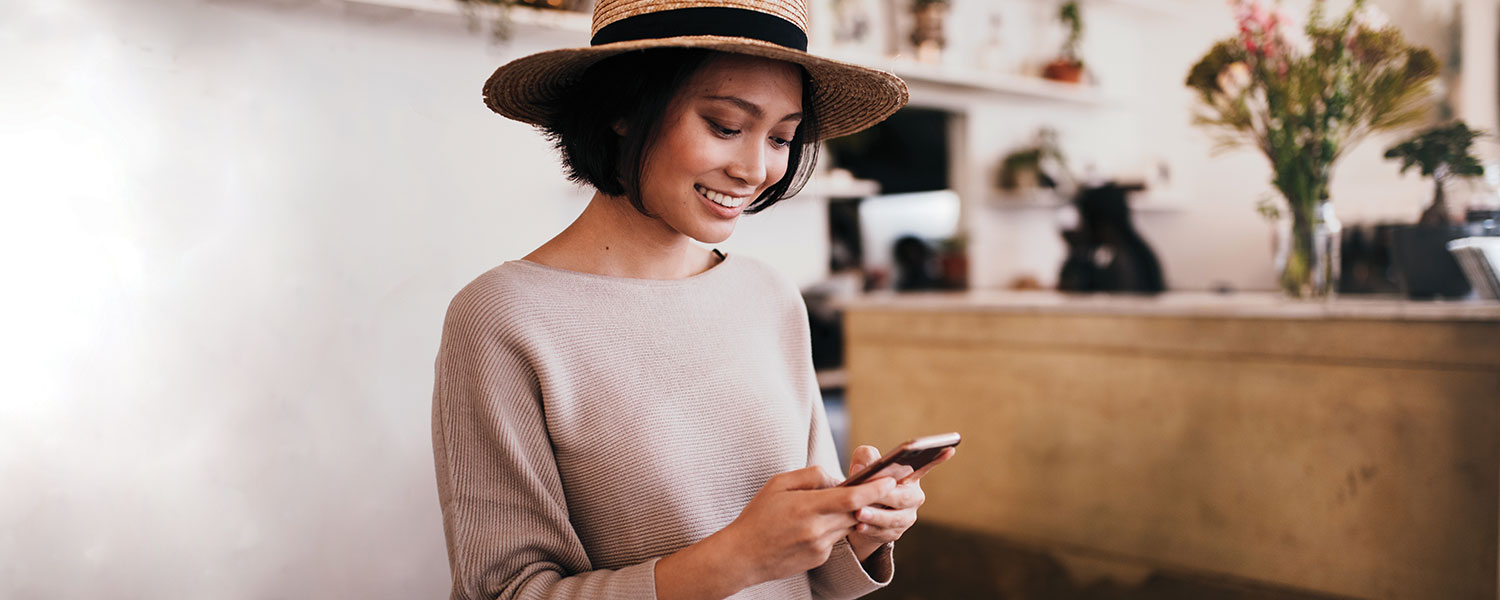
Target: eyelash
[(726, 132)]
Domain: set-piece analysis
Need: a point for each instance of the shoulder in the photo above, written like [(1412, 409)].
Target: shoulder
[(763, 277), (767, 287), (494, 301)]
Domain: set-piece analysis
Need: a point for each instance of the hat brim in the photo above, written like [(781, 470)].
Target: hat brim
[(847, 97)]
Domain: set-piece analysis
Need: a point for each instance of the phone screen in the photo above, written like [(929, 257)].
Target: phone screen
[(916, 458)]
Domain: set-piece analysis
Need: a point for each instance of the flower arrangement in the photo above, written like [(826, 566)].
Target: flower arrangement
[(1304, 100)]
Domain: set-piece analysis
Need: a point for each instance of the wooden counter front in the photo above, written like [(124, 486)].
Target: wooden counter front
[(1349, 448)]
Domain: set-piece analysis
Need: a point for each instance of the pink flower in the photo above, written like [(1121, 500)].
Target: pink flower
[(1260, 27), (1260, 16), (1284, 18)]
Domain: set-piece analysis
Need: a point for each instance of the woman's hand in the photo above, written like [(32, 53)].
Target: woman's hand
[(791, 525), (880, 525)]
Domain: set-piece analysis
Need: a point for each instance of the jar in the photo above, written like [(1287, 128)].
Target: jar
[(1482, 211)]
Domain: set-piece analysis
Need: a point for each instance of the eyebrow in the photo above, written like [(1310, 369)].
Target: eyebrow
[(752, 108)]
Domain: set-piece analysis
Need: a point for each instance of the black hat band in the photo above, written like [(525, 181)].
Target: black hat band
[(704, 20)]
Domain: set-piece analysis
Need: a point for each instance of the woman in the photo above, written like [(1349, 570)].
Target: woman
[(622, 413)]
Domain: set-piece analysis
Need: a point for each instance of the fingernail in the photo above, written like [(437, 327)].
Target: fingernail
[(864, 513)]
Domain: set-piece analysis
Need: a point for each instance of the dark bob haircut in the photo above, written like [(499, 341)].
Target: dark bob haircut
[(637, 87)]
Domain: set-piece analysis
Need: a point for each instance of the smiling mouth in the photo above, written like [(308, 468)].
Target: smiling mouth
[(724, 200)]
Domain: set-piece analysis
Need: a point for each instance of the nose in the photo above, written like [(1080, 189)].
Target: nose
[(749, 163)]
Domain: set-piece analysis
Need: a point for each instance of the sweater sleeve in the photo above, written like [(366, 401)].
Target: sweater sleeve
[(843, 576), (505, 517)]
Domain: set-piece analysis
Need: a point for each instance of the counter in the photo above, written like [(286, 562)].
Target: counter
[(1349, 447)]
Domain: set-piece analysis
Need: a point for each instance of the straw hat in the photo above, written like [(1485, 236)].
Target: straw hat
[(847, 97)]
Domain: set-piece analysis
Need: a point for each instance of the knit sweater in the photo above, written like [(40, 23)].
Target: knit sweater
[(584, 426)]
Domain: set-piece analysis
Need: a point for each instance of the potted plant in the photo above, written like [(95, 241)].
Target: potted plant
[(1304, 104), (1068, 67), (1424, 267), (1038, 165), (1442, 153), (927, 34), (501, 26)]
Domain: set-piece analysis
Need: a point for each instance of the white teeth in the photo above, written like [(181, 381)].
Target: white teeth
[(719, 199)]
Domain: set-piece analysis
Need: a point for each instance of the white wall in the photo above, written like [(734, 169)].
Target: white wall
[(1476, 94), (231, 232)]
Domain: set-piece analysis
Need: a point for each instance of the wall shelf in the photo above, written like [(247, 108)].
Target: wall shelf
[(520, 15), (974, 79), (962, 78), (578, 21), (825, 186), (1145, 201), (1154, 7)]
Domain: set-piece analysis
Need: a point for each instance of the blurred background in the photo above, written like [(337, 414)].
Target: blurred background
[(232, 227)]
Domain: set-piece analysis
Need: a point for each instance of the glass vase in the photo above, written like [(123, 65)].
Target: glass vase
[(1307, 250)]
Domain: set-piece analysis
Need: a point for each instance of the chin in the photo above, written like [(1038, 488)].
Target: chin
[(714, 235)]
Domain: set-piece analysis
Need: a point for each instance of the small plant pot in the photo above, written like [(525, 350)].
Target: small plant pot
[(929, 35), (1064, 70), (1424, 266)]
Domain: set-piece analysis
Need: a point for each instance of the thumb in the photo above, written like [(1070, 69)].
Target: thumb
[(806, 478), (870, 492), (862, 457)]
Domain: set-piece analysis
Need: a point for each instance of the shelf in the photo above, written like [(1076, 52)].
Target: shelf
[(1140, 202), (1031, 199), (520, 15), (824, 187), (1028, 205), (1157, 202), (998, 83), (583, 22), (974, 79), (832, 379), (1157, 7), (963, 78)]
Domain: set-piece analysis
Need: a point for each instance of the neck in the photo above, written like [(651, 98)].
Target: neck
[(612, 238)]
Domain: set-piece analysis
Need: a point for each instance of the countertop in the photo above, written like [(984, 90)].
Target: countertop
[(1262, 305)]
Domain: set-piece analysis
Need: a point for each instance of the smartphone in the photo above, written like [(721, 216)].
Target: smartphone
[(915, 454)]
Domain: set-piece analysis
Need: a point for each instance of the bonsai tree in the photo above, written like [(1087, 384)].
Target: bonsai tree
[(1070, 16), (1442, 153), (1068, 67)]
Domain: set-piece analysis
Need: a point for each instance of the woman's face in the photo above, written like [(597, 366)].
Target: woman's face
[(724, 139)]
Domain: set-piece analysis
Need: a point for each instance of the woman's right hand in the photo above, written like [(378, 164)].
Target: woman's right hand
[(792, 524)]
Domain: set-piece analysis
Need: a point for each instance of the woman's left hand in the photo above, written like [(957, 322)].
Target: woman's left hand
[(880, 525)]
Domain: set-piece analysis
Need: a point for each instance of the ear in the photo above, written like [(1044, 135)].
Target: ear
[(620, 127)]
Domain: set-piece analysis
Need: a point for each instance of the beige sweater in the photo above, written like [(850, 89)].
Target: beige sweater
[(585, 426)]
